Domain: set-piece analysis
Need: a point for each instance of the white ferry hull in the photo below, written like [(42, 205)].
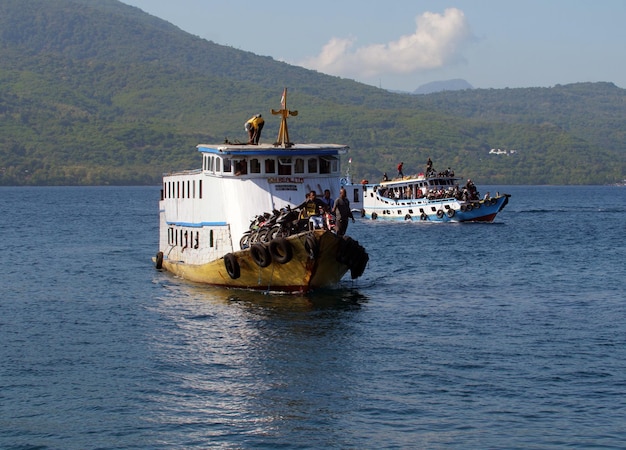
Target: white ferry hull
[(445, 210)]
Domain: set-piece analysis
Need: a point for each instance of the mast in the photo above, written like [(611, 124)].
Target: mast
[(283, 132)]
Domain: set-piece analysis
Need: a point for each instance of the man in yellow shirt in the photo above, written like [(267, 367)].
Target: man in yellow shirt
[(253, 126)]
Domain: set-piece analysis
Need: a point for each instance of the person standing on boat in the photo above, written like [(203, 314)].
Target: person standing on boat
[(400, 174), (429, 167), (253, 126), (327, 200), (341, 210)]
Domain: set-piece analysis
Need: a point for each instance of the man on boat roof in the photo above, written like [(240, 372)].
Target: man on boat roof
[(253, 126)]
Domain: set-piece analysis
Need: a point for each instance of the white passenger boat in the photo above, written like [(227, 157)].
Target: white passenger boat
[(205, 216), (433, 197)]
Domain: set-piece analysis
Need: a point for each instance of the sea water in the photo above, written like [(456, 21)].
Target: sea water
[(502, 335)]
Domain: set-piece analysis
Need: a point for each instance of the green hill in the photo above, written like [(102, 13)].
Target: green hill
[(98, 92)]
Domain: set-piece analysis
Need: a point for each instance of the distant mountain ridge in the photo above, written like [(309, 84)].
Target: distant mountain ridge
[(456, 84), (98, 92)]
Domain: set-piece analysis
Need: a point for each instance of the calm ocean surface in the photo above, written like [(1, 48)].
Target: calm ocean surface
[(504, 335)]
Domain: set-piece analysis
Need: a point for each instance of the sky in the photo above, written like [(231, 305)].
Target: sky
[(402, 44)]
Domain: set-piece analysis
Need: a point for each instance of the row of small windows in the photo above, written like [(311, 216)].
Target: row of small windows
[(270, 166), (187, 238), (182, 189)]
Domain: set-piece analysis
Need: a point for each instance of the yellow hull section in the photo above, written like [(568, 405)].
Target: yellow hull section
[(316, 262)]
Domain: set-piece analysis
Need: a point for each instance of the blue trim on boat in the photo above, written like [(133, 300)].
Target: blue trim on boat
[(271, 152), (198, 225)]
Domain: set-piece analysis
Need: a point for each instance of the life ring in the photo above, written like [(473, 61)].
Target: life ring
[(468, 208), (374, 216), (451, 213), (159, 261), (440, 213), (407, 217), (311, 246), (232, 266), (423, 216), (261, 255), (281, 250)]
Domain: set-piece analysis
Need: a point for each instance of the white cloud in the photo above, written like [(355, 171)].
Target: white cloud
[(437, 41)]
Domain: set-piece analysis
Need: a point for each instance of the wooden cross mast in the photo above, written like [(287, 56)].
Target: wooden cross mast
[(283, 132)]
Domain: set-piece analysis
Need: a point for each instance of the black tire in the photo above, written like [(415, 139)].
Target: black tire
[(423, 216), (281, 250), (261, 255), (374, 216), (159, 261), (360, 264), (311, 246), (440, 213), (407, 217), (451, 213), (232, 266)]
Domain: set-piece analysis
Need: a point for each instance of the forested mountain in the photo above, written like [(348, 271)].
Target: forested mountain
[(98, 92)]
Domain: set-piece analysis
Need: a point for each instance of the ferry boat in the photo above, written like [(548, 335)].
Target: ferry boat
[(426, 197), (208, 214)]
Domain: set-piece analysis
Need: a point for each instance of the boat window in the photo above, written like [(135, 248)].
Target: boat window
[(312, 165), (241, 167), (200, 189), (188, 189), (355, 199), (255, 166), (329, 164), (218, 162), (270, 166), (299, 166), (227, 165), (324, 165), (284, 166)]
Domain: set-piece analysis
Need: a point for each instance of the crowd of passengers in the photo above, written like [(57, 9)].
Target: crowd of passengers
[(466, 193)]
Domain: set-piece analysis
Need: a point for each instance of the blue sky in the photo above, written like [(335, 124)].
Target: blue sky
[(401, 44)]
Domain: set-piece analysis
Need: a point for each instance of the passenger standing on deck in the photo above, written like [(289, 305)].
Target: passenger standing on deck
[(341, 210), (400, 174), (253, 126), (326, 199)]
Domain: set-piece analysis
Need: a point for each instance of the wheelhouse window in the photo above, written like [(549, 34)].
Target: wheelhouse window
[(298, 166), (284, 166), (227, 165), (241, 167), (329, 164), (270, 166), (255, 166), (312, 165)]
